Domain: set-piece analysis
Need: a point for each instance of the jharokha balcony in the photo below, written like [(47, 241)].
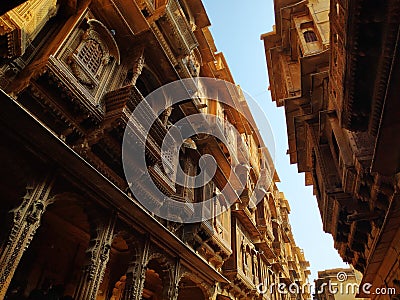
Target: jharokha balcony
[(180, 27), (170, 23)]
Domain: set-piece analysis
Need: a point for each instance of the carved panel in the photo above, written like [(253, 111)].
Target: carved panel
[(26, 220), (98, 256), (136, 274), (22, 24)]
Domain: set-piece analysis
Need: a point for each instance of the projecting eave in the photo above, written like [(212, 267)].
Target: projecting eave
[(369, 62), (272, 42), (199, 11), (385, 250), (311, 66)]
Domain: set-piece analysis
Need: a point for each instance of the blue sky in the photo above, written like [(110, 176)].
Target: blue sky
[(236, 27)]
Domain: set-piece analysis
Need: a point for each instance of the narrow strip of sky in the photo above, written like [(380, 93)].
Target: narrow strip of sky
[(236, 27)]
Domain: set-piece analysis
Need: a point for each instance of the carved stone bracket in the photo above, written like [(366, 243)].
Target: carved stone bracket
[(26, 220), (98, 256)]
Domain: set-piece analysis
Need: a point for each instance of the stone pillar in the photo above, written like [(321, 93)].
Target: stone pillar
[(173, 292), (171, 282), (136, 274), (26, 220), (98, 255)]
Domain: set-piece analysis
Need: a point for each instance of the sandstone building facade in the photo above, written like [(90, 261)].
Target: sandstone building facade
[(333, 66), (337, 284), (71, 72)]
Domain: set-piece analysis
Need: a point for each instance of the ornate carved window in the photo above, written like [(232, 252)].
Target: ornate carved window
[(89, 58), (85, 61), (90, 55), (310, 36)]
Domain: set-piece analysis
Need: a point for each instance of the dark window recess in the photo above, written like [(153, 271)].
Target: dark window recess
[(335, 146), (300, 52), (310, 36), (184, 9), (145, 13)]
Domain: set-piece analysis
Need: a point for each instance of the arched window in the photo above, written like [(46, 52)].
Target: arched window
[(91, 55), (96, 52), (310, 36)]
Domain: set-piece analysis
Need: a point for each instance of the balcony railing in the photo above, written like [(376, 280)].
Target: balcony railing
[(120, 104), (181, 27), (226, 130), (178, 210), (218, 233), (243, 150), (286, 226)]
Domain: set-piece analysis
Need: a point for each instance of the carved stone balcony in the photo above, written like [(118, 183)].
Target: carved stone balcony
[(121, 103), (243, 150), (119, 106), (162, 181), (177, 29), (207, 240), (266, 247), (241, 282), (265, 181), (210, 145), (229, 146), (22, 24), (286, 230), (293, 266), (281, 266), (270, 233), (285, 277), (58, 74), (246, 217), (278, 247), (218, 234)]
